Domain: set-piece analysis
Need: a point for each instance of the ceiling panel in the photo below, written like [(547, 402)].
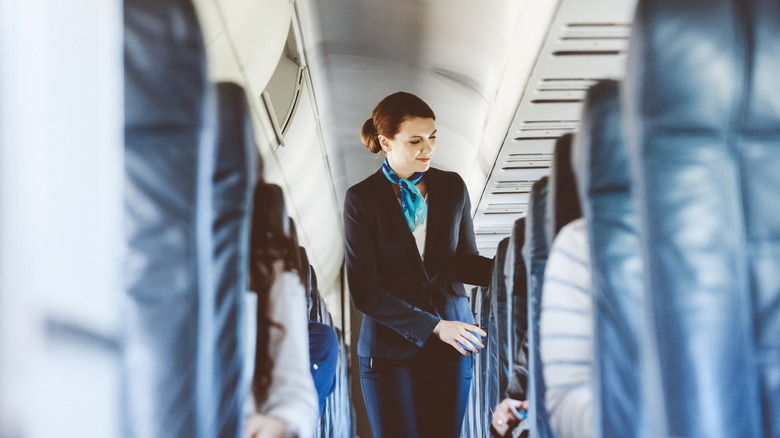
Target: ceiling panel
[(587, 41)]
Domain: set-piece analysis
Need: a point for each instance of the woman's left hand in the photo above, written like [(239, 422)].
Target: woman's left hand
[(265, 426)]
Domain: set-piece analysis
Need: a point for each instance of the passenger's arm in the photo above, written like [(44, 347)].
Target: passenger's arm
[(566, 334), (368, 295), (470, 267)]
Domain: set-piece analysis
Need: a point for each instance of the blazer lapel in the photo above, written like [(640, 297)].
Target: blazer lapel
[(396, 215)]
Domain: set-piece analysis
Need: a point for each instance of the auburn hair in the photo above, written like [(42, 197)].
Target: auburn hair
[(389, 114)]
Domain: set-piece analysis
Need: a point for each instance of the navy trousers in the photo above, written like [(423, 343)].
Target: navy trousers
[(421, 397)]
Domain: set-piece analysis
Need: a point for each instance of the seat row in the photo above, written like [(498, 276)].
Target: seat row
[(673, 170), (191, 166)]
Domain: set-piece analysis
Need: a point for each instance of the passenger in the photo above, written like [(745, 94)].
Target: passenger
[(566, 333), (324, 355), (406, 264), (283, 401), (566, 338)]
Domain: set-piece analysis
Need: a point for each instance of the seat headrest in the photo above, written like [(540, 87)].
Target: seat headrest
[(164, 82), (599, 156), (536, 223), (305, 271), (704, 66), (235, 122), (563, 204)]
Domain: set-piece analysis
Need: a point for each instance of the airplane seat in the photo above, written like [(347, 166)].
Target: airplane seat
[(517, 305), (232, 181), (318, 312), (702, 111), (563, 205), (606, 193), (187, 191), (477, 419), (535, 252), (496, 345), (474, 421), (306, 276)]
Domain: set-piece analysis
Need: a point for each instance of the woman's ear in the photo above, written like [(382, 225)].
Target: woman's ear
[(385, 143)]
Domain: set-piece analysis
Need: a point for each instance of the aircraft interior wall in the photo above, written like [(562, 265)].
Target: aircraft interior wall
[(256, 45), (61, 223)]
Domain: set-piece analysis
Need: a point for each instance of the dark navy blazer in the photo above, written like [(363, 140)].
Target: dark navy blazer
[(401, 297)]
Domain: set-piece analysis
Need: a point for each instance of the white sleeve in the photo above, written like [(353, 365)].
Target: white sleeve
[(292, 395), (566, 334)]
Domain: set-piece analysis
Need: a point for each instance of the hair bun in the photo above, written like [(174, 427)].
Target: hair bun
[(370, 136)]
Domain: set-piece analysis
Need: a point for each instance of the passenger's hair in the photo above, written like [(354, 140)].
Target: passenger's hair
[(389, 114), (270, 242)]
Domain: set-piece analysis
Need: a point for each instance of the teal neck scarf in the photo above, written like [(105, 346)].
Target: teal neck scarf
[(412, 201)]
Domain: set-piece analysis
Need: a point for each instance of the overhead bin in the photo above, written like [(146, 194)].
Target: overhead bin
[(244, 39), (283, 92)]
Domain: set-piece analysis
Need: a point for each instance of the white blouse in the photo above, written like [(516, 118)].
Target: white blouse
[(420, 232), (292, 395)]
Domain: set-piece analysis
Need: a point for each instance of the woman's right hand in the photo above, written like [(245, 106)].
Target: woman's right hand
[(459, 334)]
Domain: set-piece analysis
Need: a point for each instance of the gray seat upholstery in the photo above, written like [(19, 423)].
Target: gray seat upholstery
[(496, 353), (606, 192), (535, 252), (165, 98), (189, 172), (702, 105), (563, 205)]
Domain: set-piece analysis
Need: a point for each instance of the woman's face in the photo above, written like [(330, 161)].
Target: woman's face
[(411, 150)]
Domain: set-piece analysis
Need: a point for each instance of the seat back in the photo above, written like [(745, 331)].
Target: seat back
[(517, 311), (477, 415), (497, 361), (517, 314), (169, 150), (606, 193), (703, 112), (563, 205), (535, 252), (225, 248)]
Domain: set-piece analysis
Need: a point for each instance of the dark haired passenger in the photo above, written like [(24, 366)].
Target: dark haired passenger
[(410, 247), (283, 400)]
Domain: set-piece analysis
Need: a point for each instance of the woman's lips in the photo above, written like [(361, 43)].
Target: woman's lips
[(424, 160)]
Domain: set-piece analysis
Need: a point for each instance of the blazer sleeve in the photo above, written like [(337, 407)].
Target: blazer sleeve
[(368, 295), (471, 268)]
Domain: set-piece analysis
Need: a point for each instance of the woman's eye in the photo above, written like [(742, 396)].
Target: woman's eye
[(433, 137), (415, 142)]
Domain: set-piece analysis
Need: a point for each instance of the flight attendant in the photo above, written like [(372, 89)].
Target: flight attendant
[(410, 247)]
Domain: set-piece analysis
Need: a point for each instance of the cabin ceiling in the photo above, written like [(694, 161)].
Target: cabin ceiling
[(587, 41), (467, 59), (505, 78)]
